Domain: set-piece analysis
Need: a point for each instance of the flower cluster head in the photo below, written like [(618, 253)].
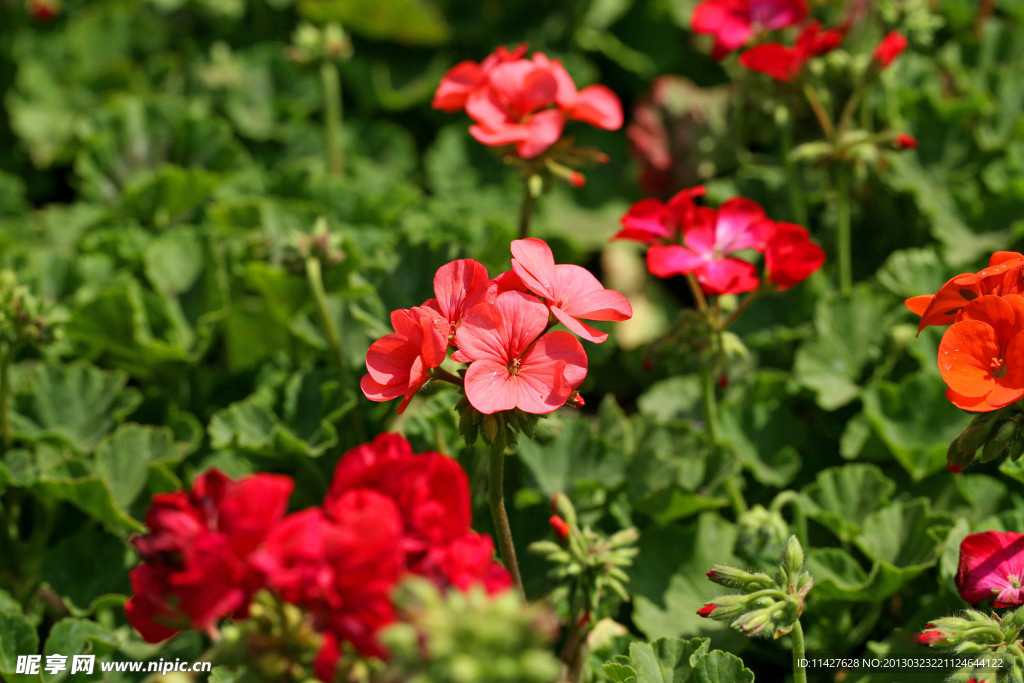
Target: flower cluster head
[(389, 514), (974, 634), (734, 22), (501, 329), (764, 605), (980, 352), (522, 102), (786, 63), (687, 239)]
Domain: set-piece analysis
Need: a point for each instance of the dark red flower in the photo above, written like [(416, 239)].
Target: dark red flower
[(196, 566), (44, 10), (889, 49), (465, 562), (992, 566)]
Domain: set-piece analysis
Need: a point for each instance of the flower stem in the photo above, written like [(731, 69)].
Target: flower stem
[(799, 672), (316, 285), (794, 183), (333, 118), (698, 293), (819, 112), (744, 305), (502, 529), (843, 225), (529, 202)]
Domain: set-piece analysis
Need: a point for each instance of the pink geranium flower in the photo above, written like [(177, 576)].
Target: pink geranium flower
[(397, 364), (571, 292), (465, 78), (737, 224), (511, 364), (992, 565), (734, 22), (513, 108), (458, 286), (595, 104), (650, 221)]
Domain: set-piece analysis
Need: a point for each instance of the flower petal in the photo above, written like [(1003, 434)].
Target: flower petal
[(490, 387)]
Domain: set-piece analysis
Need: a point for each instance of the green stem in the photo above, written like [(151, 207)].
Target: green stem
[(502, 529), (819, 112), (445, 376), (792, 499), (5, 392), (843, 225), (799, 672), (744, 305), (526, 212), (698, 293), (333, 118), (316, 285), (794, 183)]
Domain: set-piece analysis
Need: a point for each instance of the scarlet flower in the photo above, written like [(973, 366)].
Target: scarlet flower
[(397, 364), (514, 108), (458, 286), (511, 364), (737, 224), (1004, 275), (196, 565), (650, 221), (889, 49), (790, 256), (595, 104), (734, 22), (570, 291), (465, 562), (992, 566), (904, 141), (559, 526), (707, 610), (785, 63), (465, 78), (931, 637)]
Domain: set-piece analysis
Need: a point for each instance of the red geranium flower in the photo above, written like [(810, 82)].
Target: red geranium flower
[(733, 22), (651, 221), (992, 566), (397, 364), (570, 291), (595, 104), (196, 565), (465, 78), (1004, 275), (981, 355), (737, 224), (904, 141), (458, 286), (511, 364), (889, 49), (785, 63), (790, 256)]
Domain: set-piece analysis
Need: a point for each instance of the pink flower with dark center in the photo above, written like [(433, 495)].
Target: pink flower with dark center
[(511, 364), (992, 566), (571, 292), (737, 224), (397, 364), (734, 22), (465, 78), (514, 108), (651, 221)]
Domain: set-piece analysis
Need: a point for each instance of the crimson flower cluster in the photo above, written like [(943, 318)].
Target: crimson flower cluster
[(500, 328), (524, 103), (689, 239), (733, 23), (980, 352), (389, 514)]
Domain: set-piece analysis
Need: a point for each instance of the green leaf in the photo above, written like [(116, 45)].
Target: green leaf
[(75, 404), (831, 363), (174, 260), (838, 576), (410, 22), (841, 498), (721, 667), (898, 535), (70, 637), (617, 672), (17, 637), (123, 459), (87, 568), (915, 420), (666, 660)]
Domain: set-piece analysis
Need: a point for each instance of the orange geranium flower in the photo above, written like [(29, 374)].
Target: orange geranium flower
[(981, 355), (1004, 275)]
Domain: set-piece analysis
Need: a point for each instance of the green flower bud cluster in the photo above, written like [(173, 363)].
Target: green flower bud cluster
[(467, 637), (590, 566), (985, 636), (762, 534), (765, 605), (275, 643), (997, 434), (498, 430), (25, 318), (312, 44), (321, 244)]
